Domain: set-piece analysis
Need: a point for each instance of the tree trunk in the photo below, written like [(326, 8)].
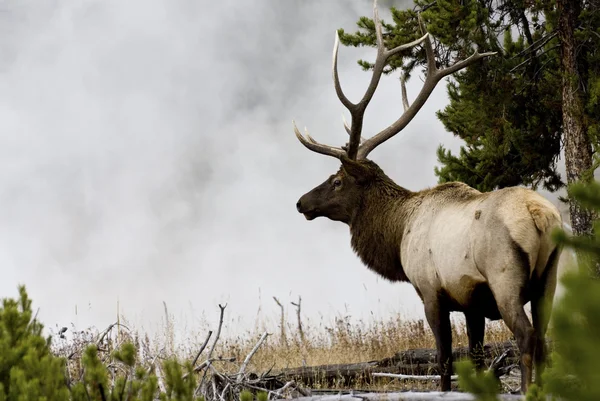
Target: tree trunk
[(578, 149)]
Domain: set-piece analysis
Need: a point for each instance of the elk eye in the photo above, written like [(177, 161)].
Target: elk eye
[(337, 182)]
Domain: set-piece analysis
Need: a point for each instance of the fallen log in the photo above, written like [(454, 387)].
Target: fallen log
[(408, 396), (421, 361)]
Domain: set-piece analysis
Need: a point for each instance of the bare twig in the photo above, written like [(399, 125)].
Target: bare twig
[(209, 362), (202, 348), (154, 359), (222, 396), (285, 387), (212, 348), (282, 337), (498, 360), (108, 330), (425, 7), (497, 365), (521, 64), (298, 307), (240, 374), (222, 307), (535, 46), (214, 386)]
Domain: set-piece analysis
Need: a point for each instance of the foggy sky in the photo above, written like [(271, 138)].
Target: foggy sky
[(148, 155)]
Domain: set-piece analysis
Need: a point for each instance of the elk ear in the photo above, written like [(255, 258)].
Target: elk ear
[(355, 169)]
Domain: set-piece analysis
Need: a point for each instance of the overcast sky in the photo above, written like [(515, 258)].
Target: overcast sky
[(148, 155)]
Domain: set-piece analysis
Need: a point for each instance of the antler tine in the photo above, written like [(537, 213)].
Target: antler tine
[(404, 95), (347, 127), (430, 55), (349, 132), (434, 75), (336, 79), (315, 146)]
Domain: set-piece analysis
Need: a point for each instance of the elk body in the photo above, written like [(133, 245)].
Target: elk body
[(483, 254)]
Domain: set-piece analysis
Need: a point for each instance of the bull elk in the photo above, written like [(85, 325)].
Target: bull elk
[(485, 254)]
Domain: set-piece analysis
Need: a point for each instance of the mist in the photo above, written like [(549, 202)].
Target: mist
[(148, 156)]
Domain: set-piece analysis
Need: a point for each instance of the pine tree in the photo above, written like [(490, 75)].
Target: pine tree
[(28, 369)]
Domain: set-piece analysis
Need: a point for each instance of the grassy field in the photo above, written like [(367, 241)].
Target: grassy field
[(342, 341)]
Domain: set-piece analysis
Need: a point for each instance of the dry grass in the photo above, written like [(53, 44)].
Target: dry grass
[(340, 342), (344, 342)]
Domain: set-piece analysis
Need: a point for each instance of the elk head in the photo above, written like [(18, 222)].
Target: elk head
[(339, 197)]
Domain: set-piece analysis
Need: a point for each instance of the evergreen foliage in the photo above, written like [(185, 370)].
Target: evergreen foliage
[(136, 384), (30, 371), (484, 385), (506, 108), (246, 395)]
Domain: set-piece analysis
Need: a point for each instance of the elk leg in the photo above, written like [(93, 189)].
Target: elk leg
[(476, 332), (541, 307), (439, 321), (513, 314), (540, 324)]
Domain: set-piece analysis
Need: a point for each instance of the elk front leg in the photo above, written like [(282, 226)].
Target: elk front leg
[(439, 321), (475, 332)]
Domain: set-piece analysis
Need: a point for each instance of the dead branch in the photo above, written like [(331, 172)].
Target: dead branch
[(412, 377), (299, 318), (154, 359), (285, 387), (282, 335), (214, 385), (303, 350), (212, 348), (240, 374), (499, 367), (108, 330), (209, 362), (202, 348)]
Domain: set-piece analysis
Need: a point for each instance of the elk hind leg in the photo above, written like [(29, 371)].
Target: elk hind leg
[(515, 318), (541, 306), (508, 291), (438, 318)]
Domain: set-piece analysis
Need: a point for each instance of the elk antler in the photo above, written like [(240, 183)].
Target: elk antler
[(357, 148)]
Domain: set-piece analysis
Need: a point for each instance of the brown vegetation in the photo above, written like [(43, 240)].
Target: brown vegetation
[(342, 342)]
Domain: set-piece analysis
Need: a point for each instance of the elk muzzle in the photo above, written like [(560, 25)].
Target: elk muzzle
[(303, 206)]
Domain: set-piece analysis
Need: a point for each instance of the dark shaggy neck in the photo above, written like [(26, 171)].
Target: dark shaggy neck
[(377, 228)]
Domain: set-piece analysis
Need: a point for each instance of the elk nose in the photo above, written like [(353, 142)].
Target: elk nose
[(298, 206)]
